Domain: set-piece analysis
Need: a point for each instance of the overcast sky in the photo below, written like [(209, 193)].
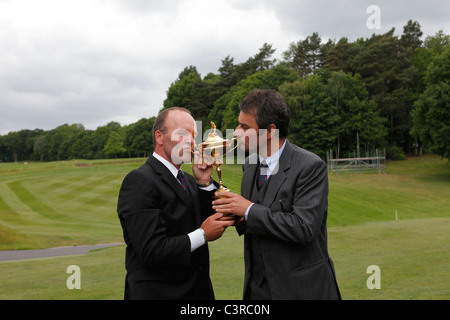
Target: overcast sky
[(96, 61)]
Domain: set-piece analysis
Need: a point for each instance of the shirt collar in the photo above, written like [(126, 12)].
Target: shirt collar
[(167, 164), (272, 161)]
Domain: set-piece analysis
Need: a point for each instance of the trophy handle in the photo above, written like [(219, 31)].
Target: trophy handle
[(237, 143), (195, 148)]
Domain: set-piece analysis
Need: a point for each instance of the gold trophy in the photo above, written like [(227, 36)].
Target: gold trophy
[(217, 148)]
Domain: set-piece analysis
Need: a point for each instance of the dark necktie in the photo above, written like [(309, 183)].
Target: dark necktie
[(180, 177), (263, 168)]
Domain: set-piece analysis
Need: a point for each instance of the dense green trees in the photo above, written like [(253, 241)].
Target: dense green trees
[(332, 110), (75, 142), (17, 146), (384, 91), (201, 96), (431, 111)]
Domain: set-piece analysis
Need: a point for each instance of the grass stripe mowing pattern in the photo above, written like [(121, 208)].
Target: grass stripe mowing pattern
[(411, 252)]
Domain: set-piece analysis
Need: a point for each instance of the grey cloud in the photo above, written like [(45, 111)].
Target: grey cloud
[(336, 19), (146, 6)]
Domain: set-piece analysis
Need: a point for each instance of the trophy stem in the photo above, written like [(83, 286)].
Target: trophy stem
[(221, 188), (219, 174)]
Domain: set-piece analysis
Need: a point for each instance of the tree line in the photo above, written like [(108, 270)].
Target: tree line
[(75, 142), (385, 91)]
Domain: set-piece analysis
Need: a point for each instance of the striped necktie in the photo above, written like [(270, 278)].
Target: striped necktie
[(263, 168)]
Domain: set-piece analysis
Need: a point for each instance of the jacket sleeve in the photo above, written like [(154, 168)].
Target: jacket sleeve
[(144, 227), (295, 219), (205, 200)]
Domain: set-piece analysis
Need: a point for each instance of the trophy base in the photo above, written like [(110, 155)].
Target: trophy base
[(221, 189), (226, 217)]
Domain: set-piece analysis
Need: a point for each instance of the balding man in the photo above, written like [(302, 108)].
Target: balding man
[(167, 218)]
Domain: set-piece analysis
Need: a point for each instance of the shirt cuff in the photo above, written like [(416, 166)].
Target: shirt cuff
[(197, 239), (246, 211), (211, 187)]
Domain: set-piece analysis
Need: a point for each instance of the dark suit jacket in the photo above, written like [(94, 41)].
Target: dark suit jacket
[(156, 215), (290, 223)]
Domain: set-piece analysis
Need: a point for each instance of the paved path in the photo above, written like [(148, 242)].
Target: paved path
[(8, 255)]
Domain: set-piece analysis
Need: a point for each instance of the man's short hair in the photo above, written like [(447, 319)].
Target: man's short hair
[(269, 107)]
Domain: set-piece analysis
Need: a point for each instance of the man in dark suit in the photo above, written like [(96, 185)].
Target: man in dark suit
[(283, 207), (167, 217)]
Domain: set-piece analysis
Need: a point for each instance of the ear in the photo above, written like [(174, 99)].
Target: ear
[(158, 137), (271, 131)]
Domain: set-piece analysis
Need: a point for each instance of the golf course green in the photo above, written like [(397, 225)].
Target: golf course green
[(398, 221)]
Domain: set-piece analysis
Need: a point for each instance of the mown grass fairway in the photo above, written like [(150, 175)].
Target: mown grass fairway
[(71, 203), (60, 203)]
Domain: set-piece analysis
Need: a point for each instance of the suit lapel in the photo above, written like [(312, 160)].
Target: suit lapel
[(194, 202), (276, 180), (248, 176), (167, 176)]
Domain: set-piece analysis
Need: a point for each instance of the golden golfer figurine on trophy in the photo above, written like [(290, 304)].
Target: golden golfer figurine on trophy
[(214, 148)]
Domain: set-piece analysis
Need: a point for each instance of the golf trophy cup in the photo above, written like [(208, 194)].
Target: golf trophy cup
[(214, 148)]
